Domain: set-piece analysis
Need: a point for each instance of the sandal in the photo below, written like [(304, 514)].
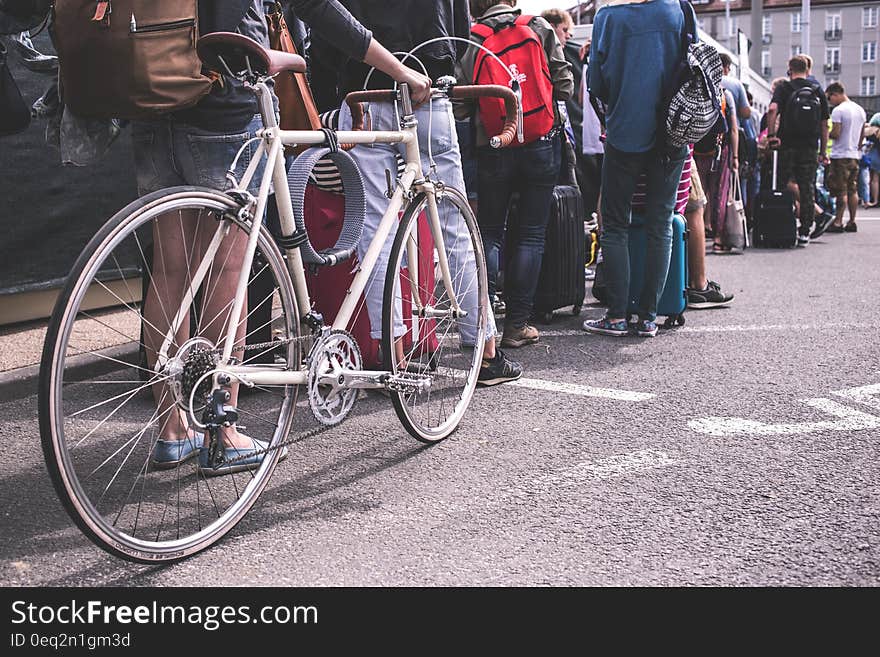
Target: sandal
[(720, 248)]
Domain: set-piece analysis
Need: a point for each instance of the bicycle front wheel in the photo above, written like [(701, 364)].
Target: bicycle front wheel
[(435, 351), (110, 389)]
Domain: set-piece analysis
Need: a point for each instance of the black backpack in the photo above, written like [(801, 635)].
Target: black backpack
[(803, 112)]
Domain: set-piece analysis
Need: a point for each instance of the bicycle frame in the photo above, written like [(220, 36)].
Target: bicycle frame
[(275, 172)]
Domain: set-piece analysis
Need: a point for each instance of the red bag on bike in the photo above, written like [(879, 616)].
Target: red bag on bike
[(517, 45), (329, 286)]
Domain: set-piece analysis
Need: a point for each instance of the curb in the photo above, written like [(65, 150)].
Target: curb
[(19, 383)]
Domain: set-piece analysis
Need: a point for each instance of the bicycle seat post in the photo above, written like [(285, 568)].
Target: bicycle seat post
[(267, 109)]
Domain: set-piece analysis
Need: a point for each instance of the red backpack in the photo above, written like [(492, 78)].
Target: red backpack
[(517, 45)]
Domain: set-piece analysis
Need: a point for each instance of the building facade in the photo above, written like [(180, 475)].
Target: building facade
[(843, 35)]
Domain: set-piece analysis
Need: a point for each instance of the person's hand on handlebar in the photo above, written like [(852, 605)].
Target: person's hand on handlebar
[(419, 84)]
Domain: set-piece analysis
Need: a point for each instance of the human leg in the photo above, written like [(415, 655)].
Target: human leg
[(537, 170), (696, 228), (620, 171), (663, 175), (805, 166)]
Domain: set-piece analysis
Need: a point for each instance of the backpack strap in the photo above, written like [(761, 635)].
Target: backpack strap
[(481, 30), (523, 19), (689, 29)]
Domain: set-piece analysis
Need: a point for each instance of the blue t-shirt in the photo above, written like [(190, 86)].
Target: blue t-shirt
[(740, 100), (633, 57)]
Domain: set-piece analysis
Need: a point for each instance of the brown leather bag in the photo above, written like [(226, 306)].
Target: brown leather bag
[(295, 100), (134, 59)]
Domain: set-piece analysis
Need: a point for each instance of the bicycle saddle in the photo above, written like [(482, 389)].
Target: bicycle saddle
[(229, 52)]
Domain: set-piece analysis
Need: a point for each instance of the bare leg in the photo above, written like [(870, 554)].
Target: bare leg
[(696, 250), (179, 242), (853, 203), (839, 207)]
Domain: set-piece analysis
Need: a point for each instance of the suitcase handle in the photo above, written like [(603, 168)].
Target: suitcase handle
[(775, 162)]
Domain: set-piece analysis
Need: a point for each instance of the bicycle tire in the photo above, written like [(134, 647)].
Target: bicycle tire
[(450, 363), (75, 380)]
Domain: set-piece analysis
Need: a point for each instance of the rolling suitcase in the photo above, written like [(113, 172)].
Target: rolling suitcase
[(775, 221), (673, 299), (561, 281)]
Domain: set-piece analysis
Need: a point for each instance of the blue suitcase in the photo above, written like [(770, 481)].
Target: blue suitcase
[(673, 301)]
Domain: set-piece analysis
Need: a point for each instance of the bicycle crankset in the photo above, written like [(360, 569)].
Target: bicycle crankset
[(332, 354)]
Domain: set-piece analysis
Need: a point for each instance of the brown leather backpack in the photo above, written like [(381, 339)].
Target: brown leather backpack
[(128, 59), (295, 101)]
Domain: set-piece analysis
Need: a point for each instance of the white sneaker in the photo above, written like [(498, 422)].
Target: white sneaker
[(803, 240)]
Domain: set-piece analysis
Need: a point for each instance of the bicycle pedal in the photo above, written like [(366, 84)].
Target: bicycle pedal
[(409, 382)]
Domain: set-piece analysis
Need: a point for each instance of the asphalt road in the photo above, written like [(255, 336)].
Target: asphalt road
[(739, 450)]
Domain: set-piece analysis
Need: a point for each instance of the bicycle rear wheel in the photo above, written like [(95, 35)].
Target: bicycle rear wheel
[(102, 407), (442, 352)]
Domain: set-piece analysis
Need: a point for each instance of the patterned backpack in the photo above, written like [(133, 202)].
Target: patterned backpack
[(693, 107)]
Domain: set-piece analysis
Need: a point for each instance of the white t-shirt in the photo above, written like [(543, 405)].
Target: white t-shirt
[(591, 128), (851, 118)]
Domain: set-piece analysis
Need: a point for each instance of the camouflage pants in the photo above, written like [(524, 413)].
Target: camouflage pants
[(800, 164)]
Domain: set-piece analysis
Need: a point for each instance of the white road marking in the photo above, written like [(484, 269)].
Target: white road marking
[(728, 328), (606, 468), (849, 419), (584, 391), (863, 395)]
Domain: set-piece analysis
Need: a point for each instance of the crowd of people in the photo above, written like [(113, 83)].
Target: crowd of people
[(594, 100)]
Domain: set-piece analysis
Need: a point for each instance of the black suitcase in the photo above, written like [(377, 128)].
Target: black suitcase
[(775, 220), (561, 282)]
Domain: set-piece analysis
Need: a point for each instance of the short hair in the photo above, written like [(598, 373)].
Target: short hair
[(480, 7), (557, 17), (726, 61), (797, 64), (776, 82), (807, 59), (835, 88)]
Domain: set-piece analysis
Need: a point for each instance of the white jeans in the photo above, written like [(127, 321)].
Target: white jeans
[(373, 160)]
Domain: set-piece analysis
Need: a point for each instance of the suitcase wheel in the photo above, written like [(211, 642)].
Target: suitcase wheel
[(545, 317), (576, 310)]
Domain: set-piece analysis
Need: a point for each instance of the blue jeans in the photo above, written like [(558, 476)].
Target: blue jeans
[(620, 171), (532, 170), (169, 153)]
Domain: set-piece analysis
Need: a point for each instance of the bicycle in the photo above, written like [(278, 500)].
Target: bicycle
[(101, 410)]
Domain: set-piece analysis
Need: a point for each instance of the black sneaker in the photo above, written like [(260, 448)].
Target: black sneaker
[(711, 297), (498, 370), (823, 221)]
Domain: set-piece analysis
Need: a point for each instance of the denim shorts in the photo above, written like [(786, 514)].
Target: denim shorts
[(169, 153)]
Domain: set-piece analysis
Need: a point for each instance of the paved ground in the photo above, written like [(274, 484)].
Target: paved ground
[(738, 450)]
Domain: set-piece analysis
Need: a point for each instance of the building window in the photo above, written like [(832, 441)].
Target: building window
[(832, 59), (765, 63), (796, 21), (832, 22), (796, 50), (868, 85), (869, 51), (732, 26), (765, 25), (869, 16)]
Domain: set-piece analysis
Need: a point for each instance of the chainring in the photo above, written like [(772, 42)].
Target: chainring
[(333, 352)]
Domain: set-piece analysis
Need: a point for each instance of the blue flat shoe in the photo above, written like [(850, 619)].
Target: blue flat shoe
[(236, 459), (171, 453)]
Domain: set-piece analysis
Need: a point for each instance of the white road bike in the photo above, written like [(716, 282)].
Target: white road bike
[(100, 414)]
